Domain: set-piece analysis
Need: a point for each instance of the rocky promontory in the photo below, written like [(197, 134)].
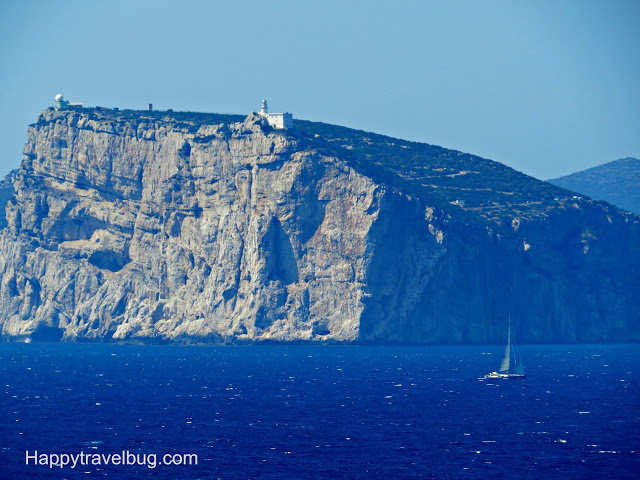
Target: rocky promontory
[(176, 227)]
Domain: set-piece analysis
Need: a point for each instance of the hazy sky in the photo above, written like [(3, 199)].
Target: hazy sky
[(547, 87)]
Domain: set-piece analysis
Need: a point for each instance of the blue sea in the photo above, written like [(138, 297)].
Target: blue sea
[(307, 412)]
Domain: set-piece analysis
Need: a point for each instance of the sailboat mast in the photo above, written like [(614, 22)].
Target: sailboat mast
[(517, 366), (505, 366)]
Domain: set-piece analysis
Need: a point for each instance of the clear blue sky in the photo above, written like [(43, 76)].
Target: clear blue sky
[(548, 87)]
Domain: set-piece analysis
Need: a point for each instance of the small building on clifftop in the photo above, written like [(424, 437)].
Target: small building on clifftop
[(62, 104), (276, 120)]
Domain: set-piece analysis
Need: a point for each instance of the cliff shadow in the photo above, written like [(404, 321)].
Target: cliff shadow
[(402, 262), (282, 264)]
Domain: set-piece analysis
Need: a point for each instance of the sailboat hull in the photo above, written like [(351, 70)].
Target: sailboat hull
[(504, 375)]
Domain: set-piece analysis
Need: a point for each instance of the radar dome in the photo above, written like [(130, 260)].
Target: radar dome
[(59, 97)]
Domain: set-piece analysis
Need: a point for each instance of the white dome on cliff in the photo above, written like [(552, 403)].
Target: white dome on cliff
[(59, 97)]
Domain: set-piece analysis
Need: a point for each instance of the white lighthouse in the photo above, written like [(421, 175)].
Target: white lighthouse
[(276, 120)]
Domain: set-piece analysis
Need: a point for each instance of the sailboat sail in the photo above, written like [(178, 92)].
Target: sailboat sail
[(506, 361), (511, 366), (517, 367)]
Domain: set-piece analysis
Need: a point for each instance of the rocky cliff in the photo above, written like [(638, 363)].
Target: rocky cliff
[(171, 227)]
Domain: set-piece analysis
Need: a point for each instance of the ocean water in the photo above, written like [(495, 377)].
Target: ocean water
[(306, 412)]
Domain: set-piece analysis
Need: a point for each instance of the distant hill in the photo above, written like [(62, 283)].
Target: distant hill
[(616, 182)]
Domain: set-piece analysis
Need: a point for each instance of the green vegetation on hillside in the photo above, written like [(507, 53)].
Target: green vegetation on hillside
[(617, 182), (439, 175)]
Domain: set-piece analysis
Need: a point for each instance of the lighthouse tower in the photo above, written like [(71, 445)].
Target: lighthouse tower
[(276, 120)]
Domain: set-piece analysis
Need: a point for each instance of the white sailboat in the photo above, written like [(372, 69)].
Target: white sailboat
[(511, 366)]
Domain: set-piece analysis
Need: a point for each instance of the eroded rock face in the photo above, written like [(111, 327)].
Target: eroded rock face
[(155, 233), (148, 229)]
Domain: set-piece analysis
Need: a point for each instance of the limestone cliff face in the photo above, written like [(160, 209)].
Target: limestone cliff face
[(141, 228)]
